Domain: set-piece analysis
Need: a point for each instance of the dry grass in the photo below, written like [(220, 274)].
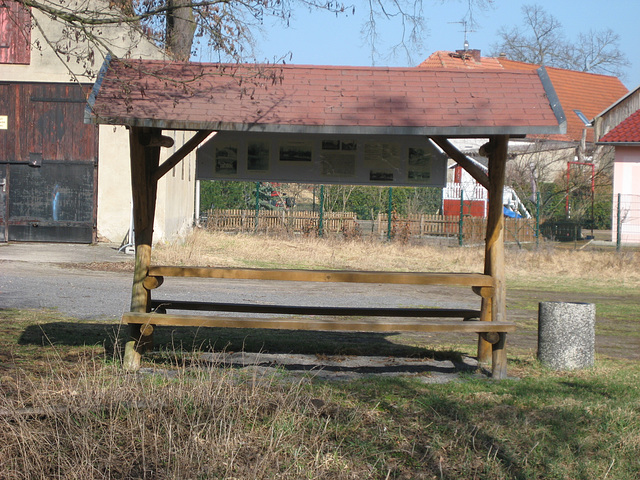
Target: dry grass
[(549, 263), (201, 422), (70, 412), (220, 249), (207, 422)]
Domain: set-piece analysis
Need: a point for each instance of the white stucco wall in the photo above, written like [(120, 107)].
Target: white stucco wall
[(114, 183), (176, 190), (47, 66), (176, 193)]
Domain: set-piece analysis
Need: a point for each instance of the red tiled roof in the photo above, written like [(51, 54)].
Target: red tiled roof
[(513, 65), (626, 132), (293, 98), (460, 59), (590, 93)]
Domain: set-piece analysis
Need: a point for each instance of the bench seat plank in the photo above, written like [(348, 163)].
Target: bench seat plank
[(410, 278), (287, 323)]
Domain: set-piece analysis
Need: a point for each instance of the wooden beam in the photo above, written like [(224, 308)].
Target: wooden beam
[(151, 283), (159, 141), (496, 151), (461, 159), (144, 160), (182, 152), (410, 278), (312, 310), (342, 325), (499, 358)]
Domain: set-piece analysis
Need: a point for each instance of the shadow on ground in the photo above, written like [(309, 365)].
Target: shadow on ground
[(337, 355)]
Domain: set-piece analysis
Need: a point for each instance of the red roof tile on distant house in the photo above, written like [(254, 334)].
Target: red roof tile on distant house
[(590, 93), (460, 59), (318, 99), (627, 132)]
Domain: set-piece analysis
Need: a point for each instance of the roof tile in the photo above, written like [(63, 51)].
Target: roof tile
[(587, 92), (215, 96), (626, 132)]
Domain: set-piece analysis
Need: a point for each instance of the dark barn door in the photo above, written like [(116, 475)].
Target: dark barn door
[(50, 157), (3, 203)]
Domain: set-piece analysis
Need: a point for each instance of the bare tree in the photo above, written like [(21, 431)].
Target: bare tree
[(541, 40), (228, 27)]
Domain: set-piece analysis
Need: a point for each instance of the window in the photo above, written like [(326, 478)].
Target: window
[(15, 33)]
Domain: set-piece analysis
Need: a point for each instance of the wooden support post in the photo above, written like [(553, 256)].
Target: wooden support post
[(499, 358), (496, 152), (144, 145)]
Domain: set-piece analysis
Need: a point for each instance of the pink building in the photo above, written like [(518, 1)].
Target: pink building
[(625, 138)]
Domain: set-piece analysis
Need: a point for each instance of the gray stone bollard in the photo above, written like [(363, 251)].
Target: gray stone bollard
[(566, 335)]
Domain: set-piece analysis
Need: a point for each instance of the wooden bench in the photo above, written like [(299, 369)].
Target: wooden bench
[(386, 319)]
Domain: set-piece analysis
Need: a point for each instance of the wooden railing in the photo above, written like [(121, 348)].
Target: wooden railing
[(473, 228), (331, 318)]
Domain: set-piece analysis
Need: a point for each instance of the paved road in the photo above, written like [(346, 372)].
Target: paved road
[(31, 276)]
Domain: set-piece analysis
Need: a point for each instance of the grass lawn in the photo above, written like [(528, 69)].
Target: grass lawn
[(67, 409)]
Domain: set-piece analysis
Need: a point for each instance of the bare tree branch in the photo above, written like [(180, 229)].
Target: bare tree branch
[(541, 41)]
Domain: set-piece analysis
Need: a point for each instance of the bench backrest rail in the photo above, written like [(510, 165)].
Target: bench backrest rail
[(411, 278)]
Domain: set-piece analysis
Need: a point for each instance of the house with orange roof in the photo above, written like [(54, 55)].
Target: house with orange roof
[(541, 157), (618, 127)]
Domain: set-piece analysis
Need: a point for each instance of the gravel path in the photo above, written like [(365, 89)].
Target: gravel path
[(31, 277)]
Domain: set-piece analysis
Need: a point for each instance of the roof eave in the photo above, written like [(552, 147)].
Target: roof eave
[(89, 114), (451, 131), (619, 144)]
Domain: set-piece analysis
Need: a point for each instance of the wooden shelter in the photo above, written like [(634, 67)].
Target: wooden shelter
[(333, 102)]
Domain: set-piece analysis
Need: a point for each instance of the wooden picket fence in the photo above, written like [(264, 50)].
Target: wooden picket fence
[(292, 221), (517, 230), (520, 230)]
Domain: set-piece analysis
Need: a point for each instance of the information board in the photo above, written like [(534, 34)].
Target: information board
[(329, 159)]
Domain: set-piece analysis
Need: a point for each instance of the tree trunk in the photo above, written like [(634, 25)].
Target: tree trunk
[(181, 27)]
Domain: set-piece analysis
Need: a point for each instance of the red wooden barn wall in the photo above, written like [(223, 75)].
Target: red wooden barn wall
[(48, 164)]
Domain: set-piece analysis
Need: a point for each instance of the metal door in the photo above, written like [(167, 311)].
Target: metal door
[(50, 160), (3, 203), (52, 203)]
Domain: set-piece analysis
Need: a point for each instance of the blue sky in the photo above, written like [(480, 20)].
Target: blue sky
[(322, 39)]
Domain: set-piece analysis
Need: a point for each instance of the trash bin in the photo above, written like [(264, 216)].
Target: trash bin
[(566, 335), (562, 231)]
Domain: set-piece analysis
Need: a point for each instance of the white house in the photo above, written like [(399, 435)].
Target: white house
[(63, 180)]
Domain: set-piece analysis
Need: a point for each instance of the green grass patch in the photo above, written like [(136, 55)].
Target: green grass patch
[(62, 388), (562, 284), (545, 426)]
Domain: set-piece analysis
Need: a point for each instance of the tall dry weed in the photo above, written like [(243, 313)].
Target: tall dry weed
[(556, 264), (368, 253), (206, 422)]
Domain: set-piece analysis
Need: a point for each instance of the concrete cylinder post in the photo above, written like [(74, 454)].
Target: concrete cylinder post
[(566, 335)]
